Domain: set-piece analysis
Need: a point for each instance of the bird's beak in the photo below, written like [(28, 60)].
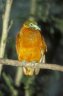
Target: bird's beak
[(36, 27)]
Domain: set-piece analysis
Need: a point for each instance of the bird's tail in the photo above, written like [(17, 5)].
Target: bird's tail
[(28, 71), (33, 71)]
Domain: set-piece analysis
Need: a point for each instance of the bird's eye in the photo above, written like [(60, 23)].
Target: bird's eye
[(30, 24)]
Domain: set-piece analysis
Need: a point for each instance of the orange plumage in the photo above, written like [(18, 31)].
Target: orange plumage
[(30, 45)]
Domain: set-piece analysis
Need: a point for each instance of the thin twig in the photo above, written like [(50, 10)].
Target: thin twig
[(33, 5), (9, 84), (31, 64), (11, 23), (5, 27), (5, 30)]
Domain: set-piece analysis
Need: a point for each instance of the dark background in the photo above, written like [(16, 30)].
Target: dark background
[(49, 16)]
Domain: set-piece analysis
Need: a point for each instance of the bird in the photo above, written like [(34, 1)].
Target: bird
[(30, 45)]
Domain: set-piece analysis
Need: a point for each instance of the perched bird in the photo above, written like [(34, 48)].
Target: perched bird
[(30, 46)]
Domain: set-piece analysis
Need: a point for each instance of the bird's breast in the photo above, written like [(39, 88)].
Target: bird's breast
[(29, 44), (30, 38)]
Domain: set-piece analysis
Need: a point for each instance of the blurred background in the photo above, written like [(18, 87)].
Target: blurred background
[(49, 16)]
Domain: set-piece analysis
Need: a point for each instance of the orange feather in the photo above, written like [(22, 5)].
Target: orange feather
[(29, 44)]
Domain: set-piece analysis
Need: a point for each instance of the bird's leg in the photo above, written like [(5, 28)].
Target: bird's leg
[(23, 62)]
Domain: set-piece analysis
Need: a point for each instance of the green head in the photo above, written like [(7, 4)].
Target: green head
[(31, 23)]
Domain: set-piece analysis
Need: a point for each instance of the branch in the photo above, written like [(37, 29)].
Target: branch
[(5, 30), (33, 5), (11, 23), (31, 64), (5, 27)]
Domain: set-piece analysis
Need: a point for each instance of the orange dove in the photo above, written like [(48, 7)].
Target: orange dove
[(30, 46)]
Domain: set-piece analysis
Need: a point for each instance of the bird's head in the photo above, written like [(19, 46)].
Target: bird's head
[(31, 23)]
